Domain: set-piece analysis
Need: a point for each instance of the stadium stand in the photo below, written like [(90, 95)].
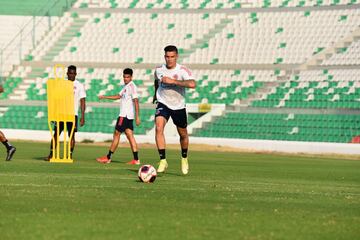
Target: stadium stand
[(345, 56), (208, 4), (35, 7), (276, 37), (281, 68), (316, 89), (98, 119), (291, 127)]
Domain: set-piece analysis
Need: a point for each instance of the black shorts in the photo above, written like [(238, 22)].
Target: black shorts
[(68, 126), (178, 116), (124, 123)]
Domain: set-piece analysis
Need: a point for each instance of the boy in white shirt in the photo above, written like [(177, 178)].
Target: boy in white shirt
[(129, 103)]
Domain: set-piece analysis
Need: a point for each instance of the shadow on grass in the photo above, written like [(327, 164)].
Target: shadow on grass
[(116, 161), (159, 174), (45, 159)]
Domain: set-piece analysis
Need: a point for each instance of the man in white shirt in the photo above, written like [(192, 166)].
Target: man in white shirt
[(9, 148), (79, 99), (128, 104), (171, 79)]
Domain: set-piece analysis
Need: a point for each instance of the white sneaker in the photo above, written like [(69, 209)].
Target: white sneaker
[(184, 166), (162, 166)]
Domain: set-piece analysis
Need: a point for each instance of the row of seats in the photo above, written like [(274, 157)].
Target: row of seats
[(276, 37), (262, 38), (290, 127), (208, 4), (337, 88), (35, 7), (97, 119), (119, 37), (18, 35), (316, 89), (299, 127), (345, 56), (213, 86)]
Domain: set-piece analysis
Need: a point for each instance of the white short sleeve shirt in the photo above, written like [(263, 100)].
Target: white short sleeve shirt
[(170, 95), (127, 94), (79, 93)]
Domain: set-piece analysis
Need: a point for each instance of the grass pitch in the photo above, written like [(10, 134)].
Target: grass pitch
[(225, 196)]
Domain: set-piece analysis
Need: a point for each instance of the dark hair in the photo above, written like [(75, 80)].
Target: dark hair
[(72, 67), (171, 48), (128, 71)]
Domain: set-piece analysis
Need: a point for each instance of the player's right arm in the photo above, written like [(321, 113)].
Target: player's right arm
[(1, 89), (114, 97)]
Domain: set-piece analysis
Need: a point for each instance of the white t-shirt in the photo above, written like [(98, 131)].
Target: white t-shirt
[(127, 94), (79, 93), (170, 95)]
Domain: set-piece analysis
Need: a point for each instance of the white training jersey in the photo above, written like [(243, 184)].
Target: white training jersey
[(79, 93), (127, 94), (168, 94)]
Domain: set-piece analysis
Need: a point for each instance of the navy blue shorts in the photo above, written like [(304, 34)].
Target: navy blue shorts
[(124, 123), (178, 116), (68, 126)]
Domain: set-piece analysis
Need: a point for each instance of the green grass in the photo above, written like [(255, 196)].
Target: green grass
[(225, 196)]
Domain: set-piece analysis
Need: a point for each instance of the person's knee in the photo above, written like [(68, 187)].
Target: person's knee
[(116, 133), (183, 133), (129, 134), (159, 129), (184, 136)]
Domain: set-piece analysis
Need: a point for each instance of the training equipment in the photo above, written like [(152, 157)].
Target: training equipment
[(60, 94), (147, 174)]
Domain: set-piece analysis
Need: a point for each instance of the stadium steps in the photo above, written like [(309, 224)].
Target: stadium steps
[(200, 43), (20, 92), (62, 42), (261, 93), (314, 93), (325, 54), (266, 89)]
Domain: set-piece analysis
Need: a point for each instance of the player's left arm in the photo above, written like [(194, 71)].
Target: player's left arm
[(137, 111), (82, 107), (187, 82), (135, 98)]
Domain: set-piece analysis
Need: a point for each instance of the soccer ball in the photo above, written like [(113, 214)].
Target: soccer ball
[(147, 173)]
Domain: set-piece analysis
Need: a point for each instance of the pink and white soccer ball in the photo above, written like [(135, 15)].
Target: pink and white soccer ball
[(147, 174)]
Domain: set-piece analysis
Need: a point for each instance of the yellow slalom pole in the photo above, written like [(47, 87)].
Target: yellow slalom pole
[(65, 143), (60, 93), (57, 156), (71, 137)]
